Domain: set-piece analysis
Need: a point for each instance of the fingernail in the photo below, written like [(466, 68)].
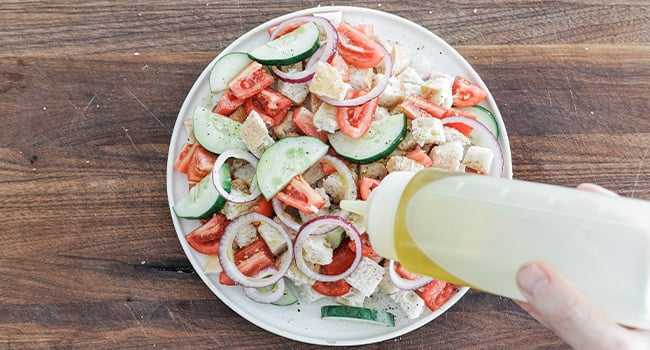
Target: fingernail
[(532, 280)]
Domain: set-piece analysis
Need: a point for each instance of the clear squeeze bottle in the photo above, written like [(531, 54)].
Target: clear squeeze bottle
[(477, 231)]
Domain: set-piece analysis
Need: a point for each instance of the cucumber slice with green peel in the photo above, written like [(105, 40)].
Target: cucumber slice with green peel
[(382, 138), (285, 159), (289, 48), (215, 132), (357, 314), (203, 199), (484, 116), (226, 68), (287, 298)]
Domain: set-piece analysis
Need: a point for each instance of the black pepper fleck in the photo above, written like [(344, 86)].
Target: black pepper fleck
[(33, 159)]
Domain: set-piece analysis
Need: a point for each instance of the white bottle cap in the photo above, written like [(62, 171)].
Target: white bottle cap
[(379, 212)]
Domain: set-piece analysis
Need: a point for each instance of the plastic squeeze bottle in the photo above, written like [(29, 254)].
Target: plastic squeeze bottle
[(477, 231)]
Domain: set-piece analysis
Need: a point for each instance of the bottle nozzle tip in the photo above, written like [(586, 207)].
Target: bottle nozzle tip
[(354, 206)]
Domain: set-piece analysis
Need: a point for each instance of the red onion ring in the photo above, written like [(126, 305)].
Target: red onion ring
[(487, 139), (227, 255), (374, 92), (324, 53), (216, 176), (266, 297), (283, 216), (404, 283), (315, 227)]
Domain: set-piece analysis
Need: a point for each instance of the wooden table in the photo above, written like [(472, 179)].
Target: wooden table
[(90, 91)]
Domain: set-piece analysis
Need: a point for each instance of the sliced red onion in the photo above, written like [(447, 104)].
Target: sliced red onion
[(279, 209), (324, 53), (387, 62), (405, 283), (227, 254), (268, 294), (482, 136), (318, 226), (235, 196)]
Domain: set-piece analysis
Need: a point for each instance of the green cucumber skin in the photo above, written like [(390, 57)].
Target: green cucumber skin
[(285, 159), (203, 199), (280, 52), (226, 68), (383, 144), (361, 314), (215, 132), (288, 298), (484, 116)]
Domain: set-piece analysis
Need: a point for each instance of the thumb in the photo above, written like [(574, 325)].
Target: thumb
[(560, 306)]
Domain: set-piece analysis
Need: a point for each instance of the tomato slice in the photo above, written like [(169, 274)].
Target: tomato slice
[(357, 48), (332, 289), (264, 207), (205, 238), (342, 259), (366, 185), (304, 120), (430, 293), (355, 121), (201, 164), (271, 105), (254, 258), (415, 106), (366, 249), (298, 194), (454, 112), (288, 29), (367, 29), (420, 156), (184, 157), (250, 81), (341, 67), (437, 293), (466, 94), (225, 280), (227, 104)]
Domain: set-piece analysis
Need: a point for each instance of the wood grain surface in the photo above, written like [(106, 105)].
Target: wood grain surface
[(89, 94)]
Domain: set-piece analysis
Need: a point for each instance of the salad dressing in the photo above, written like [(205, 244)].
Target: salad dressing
[(478, 231)]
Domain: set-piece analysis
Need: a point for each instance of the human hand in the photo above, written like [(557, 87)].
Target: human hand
[(560, 306)]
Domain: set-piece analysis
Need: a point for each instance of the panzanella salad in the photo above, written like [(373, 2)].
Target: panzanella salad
[(318, 114)]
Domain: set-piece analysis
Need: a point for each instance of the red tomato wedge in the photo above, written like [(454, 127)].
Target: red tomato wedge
[(201, 164), (332, 289), (254, 258), (341, 259), (357, 48), (430, 293), (366, 249), (355, 121), (415, 106), (271, 105), (205, 239), (250, 81), (420, 156), (304, 120), (466, 94), (366, 185), (183, 160), (404, 273), (227, 104), (264, 207), (298, 194), (286, 30)]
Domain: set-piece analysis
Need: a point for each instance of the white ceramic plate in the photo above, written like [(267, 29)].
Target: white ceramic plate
[(302, 321)]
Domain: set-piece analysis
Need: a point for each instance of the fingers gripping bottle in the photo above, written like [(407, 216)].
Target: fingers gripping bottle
[(477, 231)]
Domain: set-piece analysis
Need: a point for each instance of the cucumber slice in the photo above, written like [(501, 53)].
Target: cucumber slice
[(287, 298), (289, 48), (226, 68), (285, 159), (215, 132), (358, 314), (485, 117), (203, 199), (381, 139), (334, 238)]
